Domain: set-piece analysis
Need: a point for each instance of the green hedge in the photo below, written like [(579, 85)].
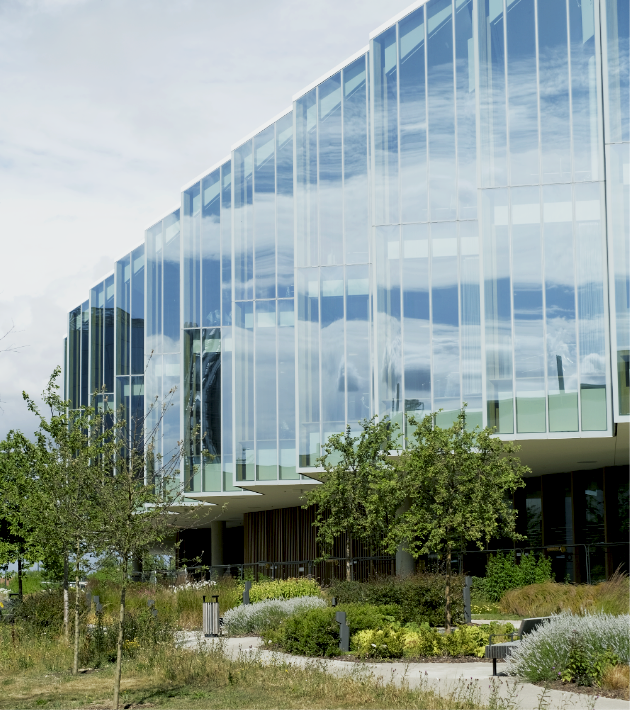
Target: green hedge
[(503, 574), (419, 597), (316, 633)]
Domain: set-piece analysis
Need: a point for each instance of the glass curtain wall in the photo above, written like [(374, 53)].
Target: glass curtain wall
[(334, 369), (520, 79), (207, 350), (101, 345), (427, 266), (615, 18), (263, 335), (129, 395), (162, 337)]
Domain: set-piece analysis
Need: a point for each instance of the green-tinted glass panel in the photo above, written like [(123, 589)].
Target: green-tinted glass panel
[(212, 477), (563, 411), (530, 415), (593, 408)]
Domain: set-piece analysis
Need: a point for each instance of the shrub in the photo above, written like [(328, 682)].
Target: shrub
[(284, 589), (266, 615), (378, 643), (316, 633), (462, 641), (502, 574), (545, 654), (420, 597)]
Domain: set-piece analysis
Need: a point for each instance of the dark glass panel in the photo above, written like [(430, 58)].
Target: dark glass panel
[(85, 354), (137, 311), (211, 250), (108, 335), (74, 358), (97, 306), (192, 392), (123, 315), (211, 394)]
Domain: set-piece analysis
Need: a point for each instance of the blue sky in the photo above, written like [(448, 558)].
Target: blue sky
[(108, 108)]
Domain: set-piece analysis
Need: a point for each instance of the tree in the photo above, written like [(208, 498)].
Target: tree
[(66, 469), (16, 542), (355, 496), (138, 495), (458, 484)]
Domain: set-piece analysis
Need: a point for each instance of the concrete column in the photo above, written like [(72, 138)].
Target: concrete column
[(405, 564), (216, 543)]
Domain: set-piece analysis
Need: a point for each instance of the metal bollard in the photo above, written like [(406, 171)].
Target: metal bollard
[(344, 631), (467, 614), (211, 616), (248, 586)]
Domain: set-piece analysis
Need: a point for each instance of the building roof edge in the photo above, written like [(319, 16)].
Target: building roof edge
[(330, 73)]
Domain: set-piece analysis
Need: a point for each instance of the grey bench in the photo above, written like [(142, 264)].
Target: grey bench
[(503, 650)]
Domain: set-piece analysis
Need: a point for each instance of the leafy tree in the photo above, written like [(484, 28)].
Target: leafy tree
[(67, 464), (459, 484), (355, 497), (138, 497), (16, 542)]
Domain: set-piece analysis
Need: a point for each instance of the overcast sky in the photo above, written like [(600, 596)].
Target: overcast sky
[(107, 108)]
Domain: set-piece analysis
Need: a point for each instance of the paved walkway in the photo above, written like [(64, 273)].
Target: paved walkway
[(444, 677)]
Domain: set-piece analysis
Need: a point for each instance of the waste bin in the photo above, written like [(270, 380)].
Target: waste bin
[(211, 616)]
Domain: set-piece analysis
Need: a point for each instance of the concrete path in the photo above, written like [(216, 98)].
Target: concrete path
[(443, 677)]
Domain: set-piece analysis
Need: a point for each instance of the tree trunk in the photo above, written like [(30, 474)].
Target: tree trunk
[(66, 602), (348, 557), (77, 577), (119, 645), (448, 589), (20, 574)]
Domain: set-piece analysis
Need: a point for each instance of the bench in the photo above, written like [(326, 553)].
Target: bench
[(503, 650)]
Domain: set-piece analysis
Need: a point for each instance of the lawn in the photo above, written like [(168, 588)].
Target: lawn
[(174, 678)]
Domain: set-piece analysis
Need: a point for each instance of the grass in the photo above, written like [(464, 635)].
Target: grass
[(617, 678), (32, 675), (481, 609), (610, 597)]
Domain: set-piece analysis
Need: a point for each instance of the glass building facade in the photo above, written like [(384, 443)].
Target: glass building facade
[(444, 218)]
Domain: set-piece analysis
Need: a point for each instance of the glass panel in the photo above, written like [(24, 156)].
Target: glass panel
[(266, 407), (590, 284), (529, 362), (85, 354), (441, 111), (470, 321), (385, 116), (308, 364), (333, 371), (136, 413), (522, 88), (227, 391), (286, 372), (413, 118), (306, 179), (154, 402), (73, 380), (97, 304), (584, 90), (137, 311), (616, 16), (123, 315), (562, 383), (211, 250), (108, 335), (358, 345), (498, 310), (416, 319), (533, 512), (388, 306), (170, 341), (226, 243), (618, 200), (211, 396), (153, 242), (555, 136), (493, 127), (284, 205), (244, 394), (192, 392), (466, 110), (123, 410), (264, 214), (243, 223), (330, 172), (288, 471), (192, 257), (445, 312), (170, 398), (355, 166)]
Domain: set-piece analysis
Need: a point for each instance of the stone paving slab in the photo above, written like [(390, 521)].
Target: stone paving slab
[(443, 677)]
